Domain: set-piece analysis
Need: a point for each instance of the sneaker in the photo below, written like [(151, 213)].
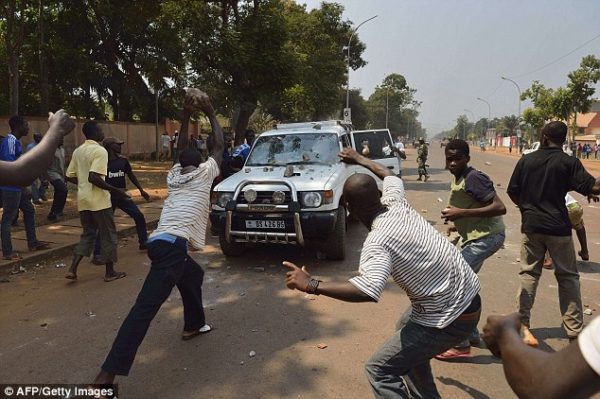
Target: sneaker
[(52, 218)]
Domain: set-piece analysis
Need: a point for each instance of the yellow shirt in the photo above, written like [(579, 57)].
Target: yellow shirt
[(89, 157)]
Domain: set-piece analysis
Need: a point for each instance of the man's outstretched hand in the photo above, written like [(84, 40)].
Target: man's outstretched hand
[(349, 155), (296, 278), (197, 100), (592, 198), (497, 326)]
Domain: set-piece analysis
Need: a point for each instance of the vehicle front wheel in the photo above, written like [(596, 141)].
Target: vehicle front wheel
[(233, 248), (335, 246)]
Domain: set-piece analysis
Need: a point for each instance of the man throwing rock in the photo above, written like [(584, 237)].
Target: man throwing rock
[(443, 290)]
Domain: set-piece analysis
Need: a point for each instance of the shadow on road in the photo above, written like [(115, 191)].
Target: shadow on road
[(588, 267), (471, 391)]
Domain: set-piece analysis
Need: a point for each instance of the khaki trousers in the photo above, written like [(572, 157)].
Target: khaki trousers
[(562, 252)]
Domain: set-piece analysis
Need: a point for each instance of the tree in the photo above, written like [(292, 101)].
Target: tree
[(534, 118), (389, 102), (360, 114), (462, 127), (12, 13), (581, 87), (511, 123)]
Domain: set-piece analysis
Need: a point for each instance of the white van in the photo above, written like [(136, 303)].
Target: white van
[(290, 188)]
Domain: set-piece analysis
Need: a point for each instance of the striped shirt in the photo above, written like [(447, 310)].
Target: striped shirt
[(185, 211), (402, 244)]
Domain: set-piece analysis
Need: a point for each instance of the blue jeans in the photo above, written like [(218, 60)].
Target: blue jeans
[(38, 189), (12, 201), (401, 369), (476, 251), (171, 266), (130, 208), (60, 197)]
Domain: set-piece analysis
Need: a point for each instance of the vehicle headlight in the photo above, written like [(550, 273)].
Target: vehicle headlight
[(314, 199), (223, 198), (250, 195), (278, 197)]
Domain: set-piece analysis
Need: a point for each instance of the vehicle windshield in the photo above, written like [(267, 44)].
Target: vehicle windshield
[(305, 148)]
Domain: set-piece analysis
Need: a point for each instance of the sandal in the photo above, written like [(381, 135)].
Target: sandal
[(113, 277), (205, 329), (71, 276), (454, 353)]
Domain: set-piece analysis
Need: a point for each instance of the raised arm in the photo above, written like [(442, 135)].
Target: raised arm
[(35, 162), (350, 156), (198, 100)]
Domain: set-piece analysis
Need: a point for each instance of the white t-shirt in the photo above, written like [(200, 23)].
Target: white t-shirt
[(166, 140), (185, 211), (402, 244), (589, 344)]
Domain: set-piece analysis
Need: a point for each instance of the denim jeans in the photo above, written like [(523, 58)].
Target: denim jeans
[(130, 208), (12, 201), (60, 197), (400, 368), (38, 189), (170, 266), (476, 251)]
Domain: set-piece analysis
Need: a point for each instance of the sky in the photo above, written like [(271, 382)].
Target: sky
[(453, 51)]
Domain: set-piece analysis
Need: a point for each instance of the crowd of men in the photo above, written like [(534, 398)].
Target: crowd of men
[(440, 278)]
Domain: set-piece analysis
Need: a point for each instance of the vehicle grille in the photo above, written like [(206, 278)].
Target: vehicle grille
[(265, 197)]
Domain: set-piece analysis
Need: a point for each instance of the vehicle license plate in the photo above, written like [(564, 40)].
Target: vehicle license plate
[(265, 224)]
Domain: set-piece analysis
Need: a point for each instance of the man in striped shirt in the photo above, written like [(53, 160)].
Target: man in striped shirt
[(182, 222), (442, 288)]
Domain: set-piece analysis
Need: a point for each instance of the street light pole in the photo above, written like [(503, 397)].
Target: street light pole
[(472, 116), (519, 115), (349, 40), (489, 114), (156, 92)]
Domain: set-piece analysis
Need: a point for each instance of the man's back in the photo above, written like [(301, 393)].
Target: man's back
[(439, 283), (540, 181)]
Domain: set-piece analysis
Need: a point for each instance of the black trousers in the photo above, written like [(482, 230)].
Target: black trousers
[(171, 266)]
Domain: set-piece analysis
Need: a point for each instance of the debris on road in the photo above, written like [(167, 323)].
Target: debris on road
[(89, 313), (518, 259), (251, 354), (440, 200), (242, 363), (587, 311), (488, 163), (59, 265), (322, 346), (424, 210), (44, 325), (310, 297)]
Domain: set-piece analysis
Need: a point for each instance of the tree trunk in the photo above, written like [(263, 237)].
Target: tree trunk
[(13, 83), (244, 112), (44, 88)]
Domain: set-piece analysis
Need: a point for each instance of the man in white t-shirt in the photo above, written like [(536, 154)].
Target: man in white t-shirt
[(165, 145), (442, 288), (573, 372), (182, 223)]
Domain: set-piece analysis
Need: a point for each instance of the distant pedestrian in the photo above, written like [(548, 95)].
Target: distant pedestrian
[(39, 185), (579, 150), (596, 151), (165, 140), (15, 197), (538, 186), (56, 176), (422, 153), (174, 144), (510, 146), (182, 223), (476, 210), (88, 169), (118, 168)]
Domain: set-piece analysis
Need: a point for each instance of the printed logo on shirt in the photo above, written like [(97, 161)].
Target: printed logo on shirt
[(116, 174)]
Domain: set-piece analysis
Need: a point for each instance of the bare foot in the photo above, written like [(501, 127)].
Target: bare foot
[(529, 338)]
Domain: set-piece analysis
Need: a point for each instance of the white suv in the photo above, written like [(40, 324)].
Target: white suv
[(290, 188)]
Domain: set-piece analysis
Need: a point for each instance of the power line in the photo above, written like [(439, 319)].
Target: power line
[(558, 59)]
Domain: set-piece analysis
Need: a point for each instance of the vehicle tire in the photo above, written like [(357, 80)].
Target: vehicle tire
[(232, 249), (335, 246)]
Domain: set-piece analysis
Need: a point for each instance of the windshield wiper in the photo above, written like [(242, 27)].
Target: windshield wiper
[(308, 163), (264, 164)]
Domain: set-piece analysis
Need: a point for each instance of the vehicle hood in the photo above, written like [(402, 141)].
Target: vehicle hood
[(305, 177)]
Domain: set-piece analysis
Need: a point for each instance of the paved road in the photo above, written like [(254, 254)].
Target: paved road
[(55, 331)]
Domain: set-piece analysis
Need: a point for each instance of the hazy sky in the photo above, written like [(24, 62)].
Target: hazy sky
[(453, 51)]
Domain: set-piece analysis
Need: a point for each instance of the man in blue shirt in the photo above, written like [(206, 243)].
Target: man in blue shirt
[(15, 198)]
